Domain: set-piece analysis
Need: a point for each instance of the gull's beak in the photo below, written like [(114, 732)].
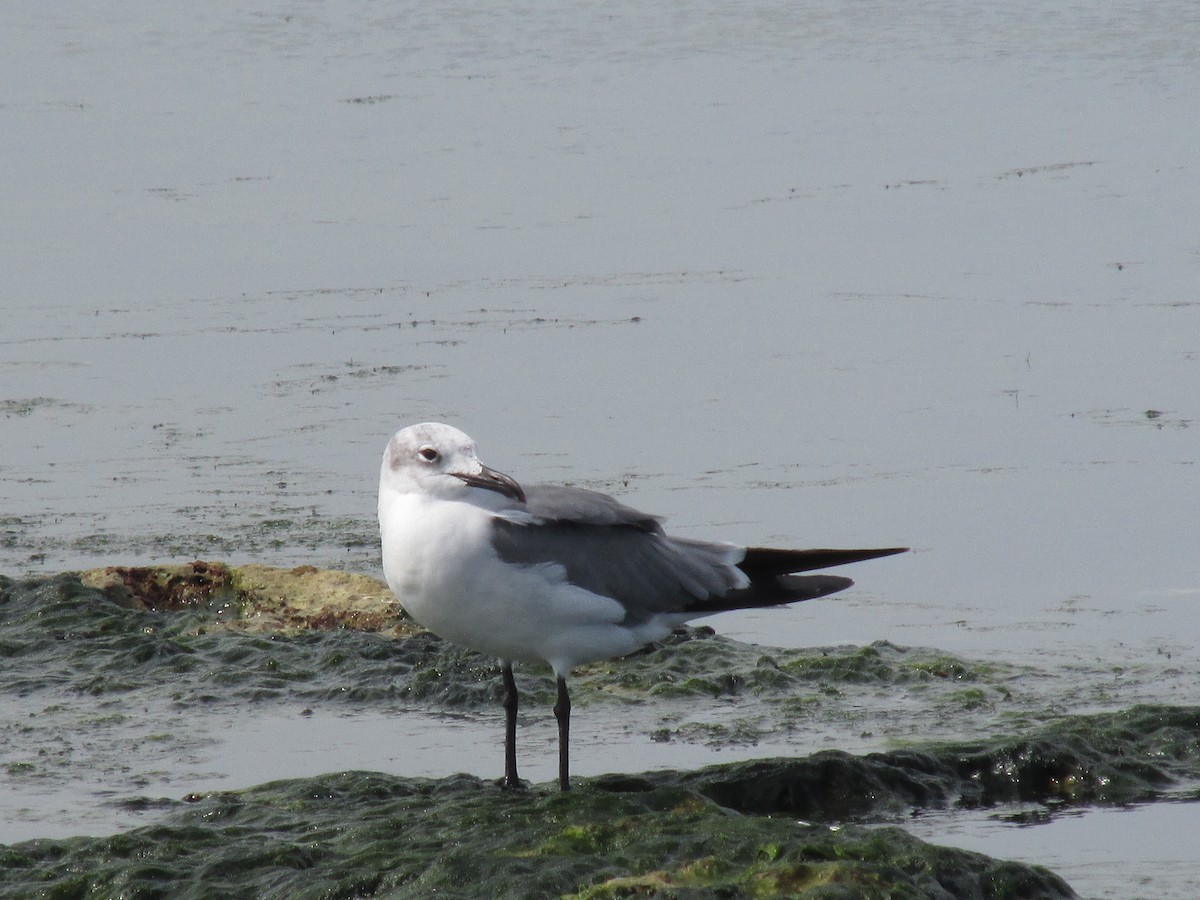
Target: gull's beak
[(491, 480)]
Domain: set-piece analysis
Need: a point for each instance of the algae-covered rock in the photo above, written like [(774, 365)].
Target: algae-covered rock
[(207, 631), (360, 834), (257, 598), (1108, 758), (201, 640)]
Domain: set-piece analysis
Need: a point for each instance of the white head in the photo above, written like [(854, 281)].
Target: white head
[(439, 461)]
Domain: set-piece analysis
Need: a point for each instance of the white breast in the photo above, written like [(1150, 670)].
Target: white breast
[(439, 561)]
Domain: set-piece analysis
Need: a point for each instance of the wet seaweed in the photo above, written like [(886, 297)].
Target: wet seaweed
[(1119, 758), (206, 635), (253, 633), (360, 834)]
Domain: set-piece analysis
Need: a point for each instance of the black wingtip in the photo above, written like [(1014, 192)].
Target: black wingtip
[(809, 587), (886, 551), (767, 562), (774, 579)]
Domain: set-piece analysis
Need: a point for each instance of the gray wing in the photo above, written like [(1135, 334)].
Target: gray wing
[(616, 551), (578, 506)]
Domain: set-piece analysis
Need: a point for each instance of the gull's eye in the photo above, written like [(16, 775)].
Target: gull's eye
[(429, 454)]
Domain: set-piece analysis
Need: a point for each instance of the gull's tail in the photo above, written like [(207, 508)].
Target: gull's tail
[(767, 562), (773, 578)]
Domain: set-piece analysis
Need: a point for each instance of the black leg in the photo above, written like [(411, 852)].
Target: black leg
[(562, 712), (511, 780)]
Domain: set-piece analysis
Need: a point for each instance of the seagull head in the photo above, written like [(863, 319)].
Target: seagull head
[(439, 461)]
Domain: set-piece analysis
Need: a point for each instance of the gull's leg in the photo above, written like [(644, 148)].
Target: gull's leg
[(562, 712), (511, 780)]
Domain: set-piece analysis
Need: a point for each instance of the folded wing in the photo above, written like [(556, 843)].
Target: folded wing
[(616, 551)]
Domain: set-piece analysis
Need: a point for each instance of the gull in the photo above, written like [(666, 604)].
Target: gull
[(555, 574)]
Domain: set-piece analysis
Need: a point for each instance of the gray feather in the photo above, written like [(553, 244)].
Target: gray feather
[(616, 551), (579, 506)]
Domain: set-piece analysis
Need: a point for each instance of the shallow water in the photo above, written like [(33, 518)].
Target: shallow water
[(1095, 846), (822, 275)]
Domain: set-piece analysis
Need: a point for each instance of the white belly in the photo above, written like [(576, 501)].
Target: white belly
[(439, 562)]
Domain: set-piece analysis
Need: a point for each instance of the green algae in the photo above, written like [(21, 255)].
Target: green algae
[(1119, 758), (360, 834), (698, 662), (258, 635), (215, 632), (64, 634), (204, 637)]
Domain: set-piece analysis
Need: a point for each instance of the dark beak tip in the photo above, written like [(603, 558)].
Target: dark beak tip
[(491, 480)]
